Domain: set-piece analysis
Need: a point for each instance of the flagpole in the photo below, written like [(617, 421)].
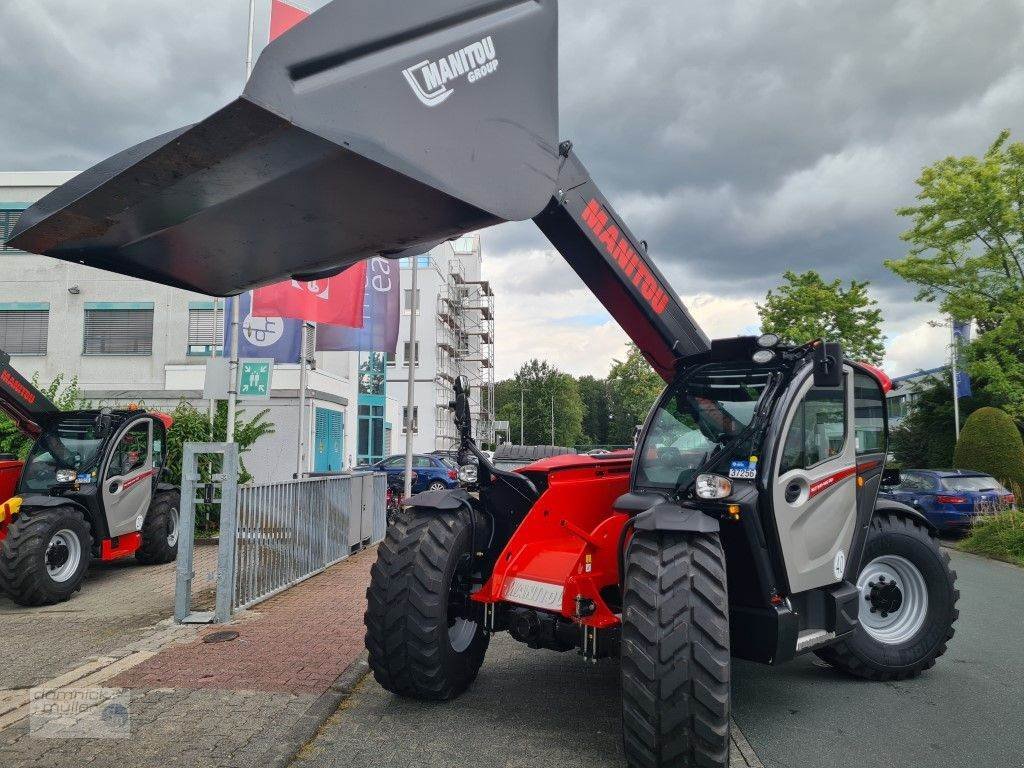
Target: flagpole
[(410, 358), (956, 393), (213, 355), (235, 315), (303, 384)]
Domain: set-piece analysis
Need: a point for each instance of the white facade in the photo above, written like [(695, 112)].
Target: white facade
[(455, 336), (171, 370)]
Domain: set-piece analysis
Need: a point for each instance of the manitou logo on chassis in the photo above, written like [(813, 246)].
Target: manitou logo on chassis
[(618, 247), (429, 79)]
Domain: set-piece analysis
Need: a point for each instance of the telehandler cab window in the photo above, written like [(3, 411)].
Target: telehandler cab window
[(818, 430), (869, 418), (72, 443), (132, 451), (697, 416)]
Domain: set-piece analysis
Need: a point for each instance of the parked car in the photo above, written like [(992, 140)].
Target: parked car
[(950, 498), (430, 472)]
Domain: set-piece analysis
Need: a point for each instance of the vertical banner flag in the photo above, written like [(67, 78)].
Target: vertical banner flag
[(336, 300), (276, 337), (961, 338), (380, 314)]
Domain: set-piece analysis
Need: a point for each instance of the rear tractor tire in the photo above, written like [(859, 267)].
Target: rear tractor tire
[(424, 635), (45, 556), (675, 652), (907, 604), (160, 529)]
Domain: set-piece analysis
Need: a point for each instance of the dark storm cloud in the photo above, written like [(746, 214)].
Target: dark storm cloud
[(740, 138)]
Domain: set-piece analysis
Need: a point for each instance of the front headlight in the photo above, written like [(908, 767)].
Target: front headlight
[(66, 475), (467, 473), (712, 486)]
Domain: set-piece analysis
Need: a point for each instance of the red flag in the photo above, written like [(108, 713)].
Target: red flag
[(283, 17), (337, 300)]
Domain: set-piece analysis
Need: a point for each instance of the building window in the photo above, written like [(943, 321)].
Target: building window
[(422, 262), (390, 357), (407, 301), (466, 245), (415, 418), (23, 328), (8, 217), (113, 328), (408, 356), (205, 332)]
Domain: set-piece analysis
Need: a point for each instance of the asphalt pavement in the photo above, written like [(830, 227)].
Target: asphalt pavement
[(531, 708)]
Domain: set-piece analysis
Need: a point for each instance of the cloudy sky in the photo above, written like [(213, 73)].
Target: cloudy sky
[(739, 138)]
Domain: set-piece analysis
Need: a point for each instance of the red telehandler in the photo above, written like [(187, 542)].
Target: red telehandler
[(746, 523), (89, 489)]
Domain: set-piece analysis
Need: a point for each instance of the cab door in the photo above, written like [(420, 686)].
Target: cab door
[(814, 491), (127, 478)]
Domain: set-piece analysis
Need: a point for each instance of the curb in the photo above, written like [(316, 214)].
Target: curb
[(326, 704)]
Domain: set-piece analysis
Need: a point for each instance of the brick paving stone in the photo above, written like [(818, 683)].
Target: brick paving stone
[(297, 642), (119, 603)]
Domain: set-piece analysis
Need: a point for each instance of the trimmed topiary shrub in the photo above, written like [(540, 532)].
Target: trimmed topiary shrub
[(990, 442)]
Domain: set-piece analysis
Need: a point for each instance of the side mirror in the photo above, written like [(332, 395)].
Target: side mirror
[(891, 477), (828, 365)]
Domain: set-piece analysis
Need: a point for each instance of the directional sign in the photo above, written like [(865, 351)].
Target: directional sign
[(254, 376)]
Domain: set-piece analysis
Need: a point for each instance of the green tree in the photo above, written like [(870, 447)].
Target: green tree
[(597, 405), (806, 307), (995, 362), (990, 442), (65, 394), (192, 425), (539, 382), (967, 238), (633, 386), (926, 436)]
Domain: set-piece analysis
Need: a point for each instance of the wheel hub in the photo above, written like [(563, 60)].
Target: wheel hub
[(63, 555), (884, 596), (895, 599), (57, 554)]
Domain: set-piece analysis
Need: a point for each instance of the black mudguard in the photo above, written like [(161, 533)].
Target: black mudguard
[(674, 517), (441, 501), (99, 527), (892, 507)]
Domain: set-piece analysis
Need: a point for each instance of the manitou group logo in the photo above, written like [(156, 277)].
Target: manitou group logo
[(429, 79), (622, 253)]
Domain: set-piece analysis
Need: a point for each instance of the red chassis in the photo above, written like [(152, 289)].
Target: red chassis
[(565, 552)]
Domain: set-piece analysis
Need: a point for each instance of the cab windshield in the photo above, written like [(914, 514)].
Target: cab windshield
[(697, 418), (73, 443)]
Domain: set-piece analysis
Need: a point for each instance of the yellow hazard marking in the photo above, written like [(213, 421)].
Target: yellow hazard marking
[(10, 508)]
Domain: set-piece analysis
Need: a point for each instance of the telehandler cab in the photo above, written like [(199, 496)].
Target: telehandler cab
[(747, 522), (90, 488)]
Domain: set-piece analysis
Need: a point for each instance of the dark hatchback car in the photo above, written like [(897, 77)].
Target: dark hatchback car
[(431, 473), (950, 498)]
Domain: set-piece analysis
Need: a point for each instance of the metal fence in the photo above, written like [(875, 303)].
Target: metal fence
[(272, 535), (289, 531)]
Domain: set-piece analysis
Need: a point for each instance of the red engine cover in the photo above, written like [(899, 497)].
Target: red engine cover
[(566, 547), (10, 472)]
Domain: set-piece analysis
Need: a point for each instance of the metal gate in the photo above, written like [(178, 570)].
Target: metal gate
[(272, 535)]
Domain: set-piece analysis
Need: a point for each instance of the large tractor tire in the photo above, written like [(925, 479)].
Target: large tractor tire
[(675, 652), (45, 556), (907, 604), (160, 529), (424, 636)]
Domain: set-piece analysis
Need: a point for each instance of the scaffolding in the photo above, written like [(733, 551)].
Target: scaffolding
[(465, 344)]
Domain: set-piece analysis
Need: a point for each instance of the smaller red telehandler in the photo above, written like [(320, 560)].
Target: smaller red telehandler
[(90, 488)]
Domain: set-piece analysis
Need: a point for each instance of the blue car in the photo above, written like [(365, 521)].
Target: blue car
[(950, 498), (430, 473)]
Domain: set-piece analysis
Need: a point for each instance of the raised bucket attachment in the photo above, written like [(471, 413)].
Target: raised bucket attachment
[(372, 127)]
